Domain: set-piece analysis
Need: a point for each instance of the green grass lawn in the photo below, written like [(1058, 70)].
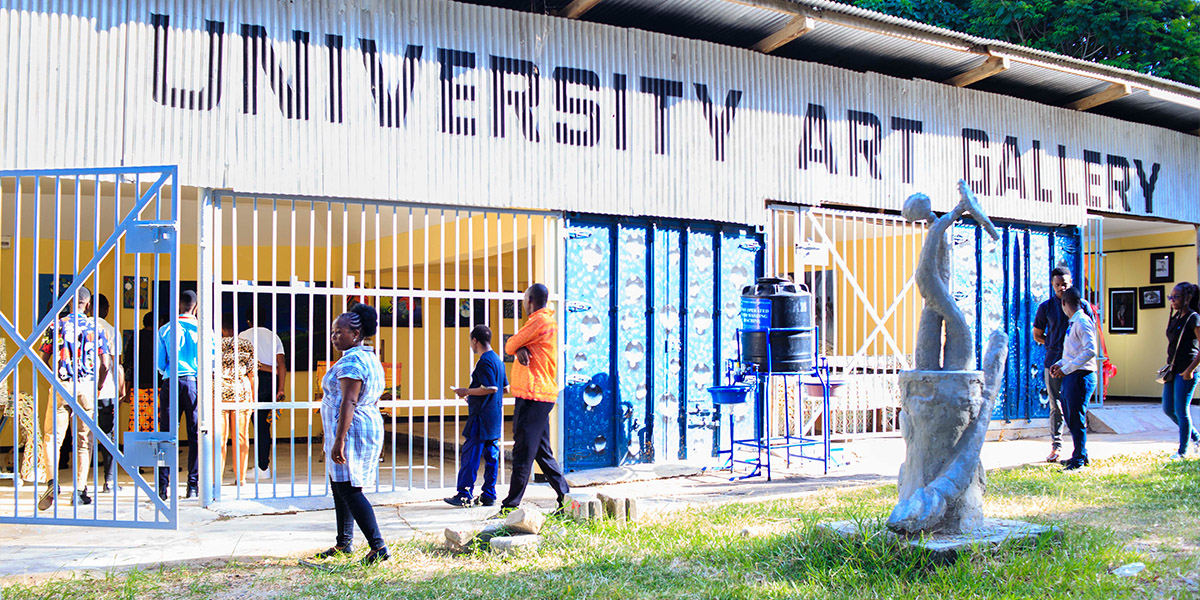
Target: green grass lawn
[(1128, 509)]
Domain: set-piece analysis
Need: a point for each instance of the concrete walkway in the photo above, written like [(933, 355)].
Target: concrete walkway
[(35, 552)]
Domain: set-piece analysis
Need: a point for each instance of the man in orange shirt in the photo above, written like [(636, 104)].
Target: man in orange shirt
[(535, 385)]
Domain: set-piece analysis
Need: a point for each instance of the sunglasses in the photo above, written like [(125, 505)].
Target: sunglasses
[(1174, 297)]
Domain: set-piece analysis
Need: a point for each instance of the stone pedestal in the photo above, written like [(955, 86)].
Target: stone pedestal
[(945, 548), (940, 420)]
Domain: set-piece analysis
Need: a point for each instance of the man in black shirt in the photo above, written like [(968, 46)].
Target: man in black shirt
[(1049, 328)]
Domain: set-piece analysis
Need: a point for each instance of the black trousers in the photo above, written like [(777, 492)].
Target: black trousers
[(263, 440), (187, 409), (531, 442), (350, 506), (105, 418)]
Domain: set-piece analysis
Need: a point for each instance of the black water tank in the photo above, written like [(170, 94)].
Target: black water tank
[(776, 303)]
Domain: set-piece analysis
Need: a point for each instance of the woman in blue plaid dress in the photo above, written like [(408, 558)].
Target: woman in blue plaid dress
[(353, 430)]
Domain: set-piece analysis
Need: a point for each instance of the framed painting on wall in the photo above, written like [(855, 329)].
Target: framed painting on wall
[(395, 311), (465, 312), (1162, 267), (1123, 307), (1151, 296)]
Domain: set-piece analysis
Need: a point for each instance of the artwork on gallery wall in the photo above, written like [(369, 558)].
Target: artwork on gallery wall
[(1151, 296), (465, 312), (131, 292), (513, 308), (507, 357), (1162, 267), (1123, 307), (401, 311)]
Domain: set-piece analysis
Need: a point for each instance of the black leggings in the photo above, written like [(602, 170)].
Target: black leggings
[(352, 506)]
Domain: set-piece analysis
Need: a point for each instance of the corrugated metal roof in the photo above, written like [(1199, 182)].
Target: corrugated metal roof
[(864, 40)]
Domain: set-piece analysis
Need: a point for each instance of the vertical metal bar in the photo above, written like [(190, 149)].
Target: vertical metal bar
[(329, 310), (457, 343), (314, 384), (208, 403), (395, 335), (378, 274), (293, 371), (412, 396), (276, 370), (442, 347)]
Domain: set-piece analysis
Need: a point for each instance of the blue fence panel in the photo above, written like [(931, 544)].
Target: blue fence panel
[(633, 408), (740, 260), (588, 397), (667, 362), (700, 350)]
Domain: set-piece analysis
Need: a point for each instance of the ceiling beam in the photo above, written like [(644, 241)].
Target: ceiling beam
[(992, 66), (576, 8), (795, 28), (1115, 91)]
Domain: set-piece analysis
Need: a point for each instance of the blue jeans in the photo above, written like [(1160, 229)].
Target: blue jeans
[(1077, 389), (1176, 403), (473, 450)]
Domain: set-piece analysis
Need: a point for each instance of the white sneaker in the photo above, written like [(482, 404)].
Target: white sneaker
[(263, 474), (1174, 457)]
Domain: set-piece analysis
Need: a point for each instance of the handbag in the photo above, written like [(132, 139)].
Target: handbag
[(1164, 372)]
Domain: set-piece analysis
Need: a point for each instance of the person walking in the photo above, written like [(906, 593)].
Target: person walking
[(80, 357), (272, 376), (237, 388), (535, 386), (353, 431), (1183, 354), (179, 349), (1049, 329), (485, 418), (1077, 368)]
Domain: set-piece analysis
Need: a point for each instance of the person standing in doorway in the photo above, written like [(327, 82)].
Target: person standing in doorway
[(1049, 329), (1183, 354), (272, 376), (485, 418), (353, 431), (141, 375), (79, 354), (535, 386), (106, 399), (1077, 368), (179, 349)]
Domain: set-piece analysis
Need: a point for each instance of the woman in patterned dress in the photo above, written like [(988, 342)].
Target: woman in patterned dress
[(237, 387), (353, 430)]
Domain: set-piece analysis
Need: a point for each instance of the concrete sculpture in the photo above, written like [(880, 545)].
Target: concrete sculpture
[(945, 406)]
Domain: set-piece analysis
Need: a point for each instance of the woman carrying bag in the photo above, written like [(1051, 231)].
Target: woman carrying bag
[(1183, 355)]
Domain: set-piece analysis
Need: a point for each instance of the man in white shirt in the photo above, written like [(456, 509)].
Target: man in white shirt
[(106, 398), (1077, 367), (272, 376)]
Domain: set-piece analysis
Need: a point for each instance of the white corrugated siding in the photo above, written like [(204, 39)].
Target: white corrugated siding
[(77, 91)]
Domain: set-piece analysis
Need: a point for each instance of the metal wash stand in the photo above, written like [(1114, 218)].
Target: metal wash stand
[(763, 444)]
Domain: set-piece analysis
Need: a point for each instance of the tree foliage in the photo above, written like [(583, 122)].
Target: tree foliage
[(1158, 37)]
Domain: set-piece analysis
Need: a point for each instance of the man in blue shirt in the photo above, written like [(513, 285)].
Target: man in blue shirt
[(80, 355), (485, 418), (182, 352), (1049, 328)]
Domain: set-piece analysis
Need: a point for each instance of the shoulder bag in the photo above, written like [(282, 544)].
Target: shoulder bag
[(1164, 372)]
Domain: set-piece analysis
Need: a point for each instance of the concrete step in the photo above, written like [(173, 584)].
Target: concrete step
[(1135, 418)]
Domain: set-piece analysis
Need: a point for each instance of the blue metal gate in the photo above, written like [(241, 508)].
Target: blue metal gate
[(75, 227), (652, 311), (1000, 283)]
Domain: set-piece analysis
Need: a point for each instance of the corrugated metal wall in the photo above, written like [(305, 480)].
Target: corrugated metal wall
[(435, 101)]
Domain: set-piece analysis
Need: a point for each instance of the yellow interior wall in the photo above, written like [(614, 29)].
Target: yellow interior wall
[(1138, 355)]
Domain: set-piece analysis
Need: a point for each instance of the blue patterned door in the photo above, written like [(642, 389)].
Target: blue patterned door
[(1000, 283), (652, 314), (588, 400)]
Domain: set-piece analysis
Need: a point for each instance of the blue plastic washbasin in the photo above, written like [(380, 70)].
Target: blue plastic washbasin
[(729, 394)]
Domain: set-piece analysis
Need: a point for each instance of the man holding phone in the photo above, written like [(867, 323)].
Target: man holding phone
[(485, 417)]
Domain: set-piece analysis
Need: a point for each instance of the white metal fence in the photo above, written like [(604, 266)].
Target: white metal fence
[(859, 268), (292, 264)]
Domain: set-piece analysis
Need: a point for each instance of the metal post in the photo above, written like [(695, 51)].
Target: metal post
[(209, 473)]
